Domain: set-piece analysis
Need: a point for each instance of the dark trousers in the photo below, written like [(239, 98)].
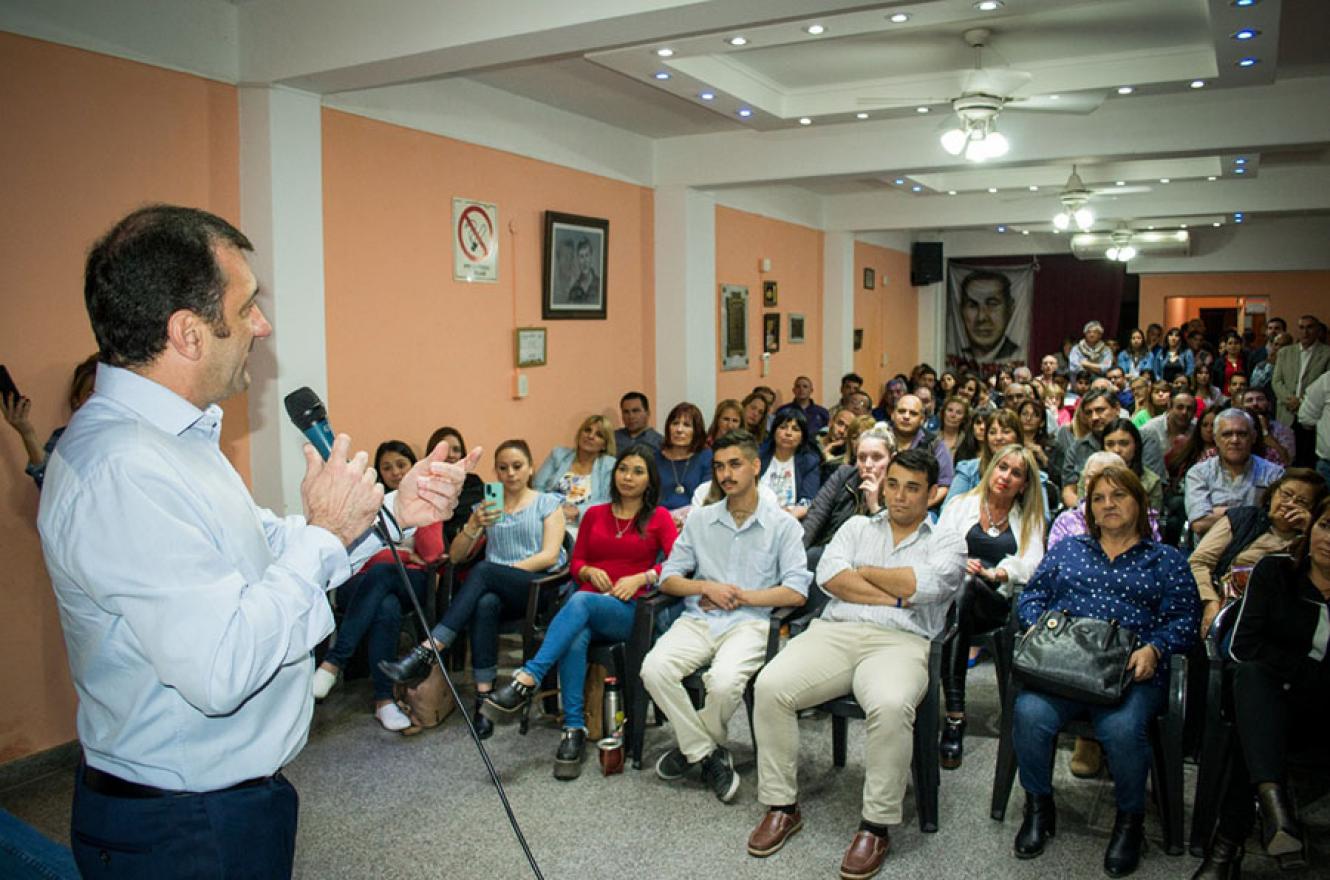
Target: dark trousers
[(1272, 717), (979, 609), (374, 603), (224, 835), (490, 593)]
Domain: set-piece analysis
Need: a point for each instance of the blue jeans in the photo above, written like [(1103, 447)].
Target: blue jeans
[(490, 593), (584, 617), (373, 602), (1123, 731)]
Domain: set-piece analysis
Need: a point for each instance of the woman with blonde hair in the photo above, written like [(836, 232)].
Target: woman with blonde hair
[(728, 417), (1002, 523), (755, 409), (580, 474)]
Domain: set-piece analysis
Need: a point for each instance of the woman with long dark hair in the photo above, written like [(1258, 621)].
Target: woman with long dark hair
[(790, 464), (614, 563)]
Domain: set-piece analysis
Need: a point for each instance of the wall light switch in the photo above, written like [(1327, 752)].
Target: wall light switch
[(766, 363), (766, 264)]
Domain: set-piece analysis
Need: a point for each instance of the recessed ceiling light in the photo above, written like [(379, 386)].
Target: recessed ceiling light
[(1034, 189), (1216, 224), (664, 52), (900, 181), (899, 18), (1245, 3), (707, 96), (1054, 97), (1240, 161), (1237, 215), (816, 29), (951, 192), (988, 5), (1237, 220), (920, 109), (1025, 232), (1246, 34), (745, 112), (992, 189), (804, 120), (1164, 180), (1002, 229), (1239, 170), (738, 41), (1126, 90), (1212, 178), (1182, 225), (662, 74), (1249, 62), (1149, 227), (1120, 183), (1198, 84), (861, 116), (916, 188)]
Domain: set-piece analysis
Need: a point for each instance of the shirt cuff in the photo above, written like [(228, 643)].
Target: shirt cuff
[(316, 553)]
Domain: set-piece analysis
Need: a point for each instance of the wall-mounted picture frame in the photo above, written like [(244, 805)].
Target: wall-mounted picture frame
[(734, 327), (576, 262), (858, 338), (870, 278), (770, 297), (771, 332), (796, 334), (529, 346)]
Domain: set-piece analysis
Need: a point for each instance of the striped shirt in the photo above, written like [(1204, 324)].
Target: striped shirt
[(518, 536)]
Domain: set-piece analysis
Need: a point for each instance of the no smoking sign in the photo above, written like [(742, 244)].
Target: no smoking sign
[(475, 241)]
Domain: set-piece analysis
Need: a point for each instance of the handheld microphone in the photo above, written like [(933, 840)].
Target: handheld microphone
[(311, 417)]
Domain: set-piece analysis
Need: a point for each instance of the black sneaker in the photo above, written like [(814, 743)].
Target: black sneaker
[(718, 773), (672, 765)]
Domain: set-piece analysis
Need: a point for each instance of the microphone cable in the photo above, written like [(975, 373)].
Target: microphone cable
[(382, 530)]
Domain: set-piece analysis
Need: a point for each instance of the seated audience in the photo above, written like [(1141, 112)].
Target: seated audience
[(728, 417), (683, 460), (1118, 380), (907, 422), (849, 383), (755, 408), (891, 392), (831, 443), (1175, 358), (1116, 572), (580, 474), (1071, 522), (861, 404), (524, 541), (1091, 353), (1233, 360), (954, 427), (946, 384), (973, 390), (854, 489), (17, 409), (1155, 404), (891, 580), (816, 416), (635, 410), (1001, 522), (1263, 373), (1281, 700), (473, 488), (1002, 428), (733, 563), (1121, 436), (614, 563), (1231, 478), (790, 464), (373, 602), (1034, 431), (1206, 392), (1244, 535), (932, 421), (1101, 407)]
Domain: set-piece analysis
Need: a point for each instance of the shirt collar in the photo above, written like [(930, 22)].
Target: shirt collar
[(157, 404)]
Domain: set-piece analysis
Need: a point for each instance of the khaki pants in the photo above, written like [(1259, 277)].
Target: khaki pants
[(885, 669), (687, 646)]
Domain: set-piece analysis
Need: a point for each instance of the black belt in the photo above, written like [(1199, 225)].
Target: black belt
[(113, 786)]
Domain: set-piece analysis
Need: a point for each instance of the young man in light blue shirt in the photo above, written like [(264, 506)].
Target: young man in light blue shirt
[(735, 561)]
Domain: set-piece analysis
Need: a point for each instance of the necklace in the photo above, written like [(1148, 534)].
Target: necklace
[(994, 528), (627, 524), (674, 469)]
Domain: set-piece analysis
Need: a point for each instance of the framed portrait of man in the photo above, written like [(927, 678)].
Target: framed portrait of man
[(576, 260)]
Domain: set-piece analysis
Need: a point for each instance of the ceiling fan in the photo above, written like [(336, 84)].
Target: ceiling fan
[(1075, 198)]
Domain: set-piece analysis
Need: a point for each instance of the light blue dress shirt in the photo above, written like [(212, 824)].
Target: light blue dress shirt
[(766, 551), (189, 613)]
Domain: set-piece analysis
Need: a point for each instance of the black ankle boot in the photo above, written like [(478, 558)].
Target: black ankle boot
[(1040, 823), (952, 748), (1125, 844), (510, 699), (1279, 829), (412, 669), (1224, 861), (484, 727), (572, 748)]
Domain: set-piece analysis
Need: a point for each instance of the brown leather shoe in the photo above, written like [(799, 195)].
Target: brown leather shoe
[(865, 856), (771, 833)]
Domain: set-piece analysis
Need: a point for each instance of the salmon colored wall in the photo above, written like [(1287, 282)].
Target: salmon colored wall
[(1291, 293), (1178, 310), (409, 349), (888, 314), (85, 139), (743, 240)]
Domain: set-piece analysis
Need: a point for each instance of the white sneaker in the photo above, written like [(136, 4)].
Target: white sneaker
[(392, 718), (323, 682)]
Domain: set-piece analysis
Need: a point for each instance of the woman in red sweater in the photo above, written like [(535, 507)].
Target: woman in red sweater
[(616, 559)]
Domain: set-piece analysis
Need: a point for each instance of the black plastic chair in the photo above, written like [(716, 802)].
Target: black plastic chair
[(1165, 746)]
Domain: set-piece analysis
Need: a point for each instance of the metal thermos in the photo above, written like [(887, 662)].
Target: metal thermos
[(613, 724)]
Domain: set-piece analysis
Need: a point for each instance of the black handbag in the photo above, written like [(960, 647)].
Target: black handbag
[(1080, 658)]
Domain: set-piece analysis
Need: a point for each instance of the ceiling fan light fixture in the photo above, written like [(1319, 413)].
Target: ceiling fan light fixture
[(1084, 219), (899, 18), (816, 30), (954, 141), (1126, 253), (1111, 253), (1061, 221), (997, 144), (988, 5)]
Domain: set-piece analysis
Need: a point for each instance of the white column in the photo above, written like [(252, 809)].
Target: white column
[(837, 312), (281, 210), (933, 325), (687, 306)]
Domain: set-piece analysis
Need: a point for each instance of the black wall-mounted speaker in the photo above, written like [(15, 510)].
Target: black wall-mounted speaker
[(925, 263)]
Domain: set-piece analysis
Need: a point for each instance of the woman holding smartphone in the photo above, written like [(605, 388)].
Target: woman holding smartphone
[(523, 531), (616, 560)]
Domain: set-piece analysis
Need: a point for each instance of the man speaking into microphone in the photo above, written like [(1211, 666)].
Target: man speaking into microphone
[(190, 613)]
